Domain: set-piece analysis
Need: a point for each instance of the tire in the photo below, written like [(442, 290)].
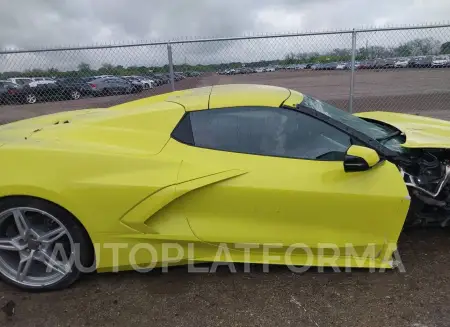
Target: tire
[(30, 98), (75, 95), (146, 86), (38, 214)]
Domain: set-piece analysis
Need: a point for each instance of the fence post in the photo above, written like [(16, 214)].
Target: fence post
[(352, 79), (169, 54)]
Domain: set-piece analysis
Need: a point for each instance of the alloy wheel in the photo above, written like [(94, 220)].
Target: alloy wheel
[(75, 95), (35, 247), (31, 98)]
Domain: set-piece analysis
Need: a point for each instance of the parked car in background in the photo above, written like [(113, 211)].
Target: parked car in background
[(440, 61), (330, 66), (49, 92), (32, 81), (41, 80), (162, 77), (136, 84), (9, 92), (385, 63), (413, 61), (192, 74), (348, 65), (368, 64), (179, 76), (157, 80), (425, 62), (247, 70), (103, 76), (269, 69), (401, 63), (146, 82), (20, 80), (110, 86), (421, 62), (77, 83), (176, 76), (342, 66)]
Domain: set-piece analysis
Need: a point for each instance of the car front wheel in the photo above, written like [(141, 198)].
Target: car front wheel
[(30, 98), (75, 95), (42, 246)]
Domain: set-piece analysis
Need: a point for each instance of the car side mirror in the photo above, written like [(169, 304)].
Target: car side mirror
[(360, 158)]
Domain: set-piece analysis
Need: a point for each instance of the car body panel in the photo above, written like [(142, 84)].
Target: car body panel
[(193, 99), (233, 95), (294, 99), (420, 132), (287, 201)]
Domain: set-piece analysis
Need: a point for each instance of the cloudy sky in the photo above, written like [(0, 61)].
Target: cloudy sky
[(50, 23)]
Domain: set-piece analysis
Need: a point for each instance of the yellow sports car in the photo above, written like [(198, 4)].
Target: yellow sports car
[(235, 173)]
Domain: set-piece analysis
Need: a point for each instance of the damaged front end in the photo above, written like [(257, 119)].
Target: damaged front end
[(426, 173)]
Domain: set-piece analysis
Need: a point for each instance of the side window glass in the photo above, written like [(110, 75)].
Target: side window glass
[(183, 131), (269, 132)]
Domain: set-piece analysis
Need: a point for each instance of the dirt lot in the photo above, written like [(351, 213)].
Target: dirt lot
[(408, 90), (417, 298)]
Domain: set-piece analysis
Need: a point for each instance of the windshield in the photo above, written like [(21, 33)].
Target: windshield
[(388, 136)]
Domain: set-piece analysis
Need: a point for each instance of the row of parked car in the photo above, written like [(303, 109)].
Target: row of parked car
[(410, 62), (246, 70), (33, 89)]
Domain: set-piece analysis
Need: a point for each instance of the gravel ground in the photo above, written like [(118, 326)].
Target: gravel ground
[(418, 297)]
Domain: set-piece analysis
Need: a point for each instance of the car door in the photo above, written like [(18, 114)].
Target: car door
[(118, 85), (279, 178), (54, 91)]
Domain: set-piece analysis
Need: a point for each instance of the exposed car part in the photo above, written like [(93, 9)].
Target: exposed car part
[(427, 178)]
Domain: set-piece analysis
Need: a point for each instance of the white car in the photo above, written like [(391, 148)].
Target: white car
[(269, 69), (341, 66), (440, 61), (260, 70), (103, 76), (31, 81), (401, 63), (40, 82), (147, 83)]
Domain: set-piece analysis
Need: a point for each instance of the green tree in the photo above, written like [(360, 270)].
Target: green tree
[(84, 67), (290, 59), (445, 47), (418, 47)]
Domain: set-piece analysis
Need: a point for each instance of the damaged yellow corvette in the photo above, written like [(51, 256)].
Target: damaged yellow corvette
[(177, 177)]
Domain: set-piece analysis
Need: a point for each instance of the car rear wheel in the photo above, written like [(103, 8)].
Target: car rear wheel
[(30, 98), (42, 246), (146, 86), (75, 95)]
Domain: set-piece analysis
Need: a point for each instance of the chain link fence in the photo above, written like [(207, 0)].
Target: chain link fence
[(397, 69)]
